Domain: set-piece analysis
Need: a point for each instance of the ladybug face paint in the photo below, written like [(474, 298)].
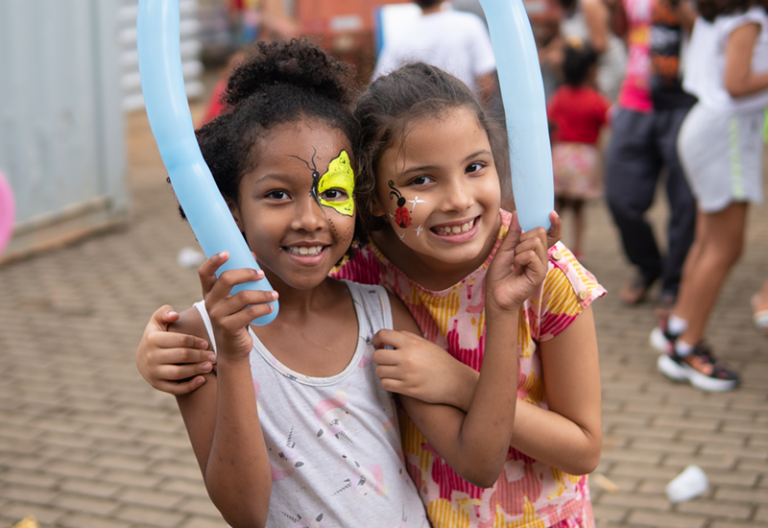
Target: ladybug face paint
[(402, 215)]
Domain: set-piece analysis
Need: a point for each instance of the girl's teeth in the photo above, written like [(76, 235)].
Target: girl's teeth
[(304, 251), (454, 230)]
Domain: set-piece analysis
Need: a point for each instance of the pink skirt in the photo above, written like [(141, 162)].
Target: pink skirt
[(578, 171)]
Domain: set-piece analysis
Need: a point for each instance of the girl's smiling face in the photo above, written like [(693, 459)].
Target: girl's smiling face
[(439, 190), (295, 205)]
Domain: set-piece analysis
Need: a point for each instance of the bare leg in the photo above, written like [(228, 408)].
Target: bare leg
[(719, 248)]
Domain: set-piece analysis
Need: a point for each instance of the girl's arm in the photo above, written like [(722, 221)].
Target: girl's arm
[(221, 417), (475, 444), (739, 79), (567, 436)]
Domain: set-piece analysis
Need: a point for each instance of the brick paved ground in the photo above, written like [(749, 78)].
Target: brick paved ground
[(84, 443)]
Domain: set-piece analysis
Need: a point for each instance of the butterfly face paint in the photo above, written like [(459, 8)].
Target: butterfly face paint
[(338, 176), (402, 216)]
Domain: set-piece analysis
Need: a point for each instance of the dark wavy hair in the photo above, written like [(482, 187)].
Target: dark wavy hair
[(579, 58), (414, 92), (711, 9)]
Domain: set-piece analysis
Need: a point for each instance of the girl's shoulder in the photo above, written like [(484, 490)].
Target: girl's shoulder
[(568, 289)]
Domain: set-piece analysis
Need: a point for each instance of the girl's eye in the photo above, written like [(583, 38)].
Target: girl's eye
[(420, 180), (334, 195), (474, 167), (277, 195)]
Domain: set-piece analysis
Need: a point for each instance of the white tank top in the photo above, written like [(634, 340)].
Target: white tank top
[(334, 443)]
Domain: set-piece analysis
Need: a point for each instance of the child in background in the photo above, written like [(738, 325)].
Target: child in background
[(577, 112), (430, 196), (721, 148), (295, 427)]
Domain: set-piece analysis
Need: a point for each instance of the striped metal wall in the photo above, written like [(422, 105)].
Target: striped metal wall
[(130, 81), (62, 144)]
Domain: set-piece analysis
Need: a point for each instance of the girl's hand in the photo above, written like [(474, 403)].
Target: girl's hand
[(518, 268), (171, 362), (420, 369), (555, 231), (231, 314)]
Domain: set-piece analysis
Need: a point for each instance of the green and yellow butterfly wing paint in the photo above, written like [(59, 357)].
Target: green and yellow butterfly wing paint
[(339, 176)]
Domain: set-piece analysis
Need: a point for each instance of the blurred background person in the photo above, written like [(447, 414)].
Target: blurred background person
[(576, 113), (721, 147), (454, 41), (588, 21), (643, 142)]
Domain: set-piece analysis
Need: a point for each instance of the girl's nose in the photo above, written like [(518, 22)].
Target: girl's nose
[(457, 197), (309, 215)]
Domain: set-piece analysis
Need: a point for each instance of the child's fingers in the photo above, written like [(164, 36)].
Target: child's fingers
[(388, 372), (386, 356), (241, 301), (236, 313), (207, 271), (512, 237), (229, 279), (392, 338), (166, 341), (555, 231), (179, 388), (393, 385), (162, 317), (182, 372)]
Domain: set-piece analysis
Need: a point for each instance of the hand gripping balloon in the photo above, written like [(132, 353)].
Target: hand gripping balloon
[(7, 212), (522, 90), (162, 84)]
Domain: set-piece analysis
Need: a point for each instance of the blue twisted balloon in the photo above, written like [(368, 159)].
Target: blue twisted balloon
[(522, 90), (162, 84)]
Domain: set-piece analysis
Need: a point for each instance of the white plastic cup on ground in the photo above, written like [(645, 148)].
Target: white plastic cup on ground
[(689, 484)]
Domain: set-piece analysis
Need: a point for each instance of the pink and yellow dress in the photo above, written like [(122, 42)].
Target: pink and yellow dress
[(528, 493)]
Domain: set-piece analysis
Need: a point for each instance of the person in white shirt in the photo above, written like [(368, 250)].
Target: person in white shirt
[(454, 41), (721, 148)]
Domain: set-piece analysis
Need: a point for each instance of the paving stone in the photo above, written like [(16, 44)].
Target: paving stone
[(159, 499), (610, 513), (151, 516), (200, 522), (81, 520), (748, 495), (93, 488), (20, 509), (635, 501), (666, 520), (202, 507), (716, 509)]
